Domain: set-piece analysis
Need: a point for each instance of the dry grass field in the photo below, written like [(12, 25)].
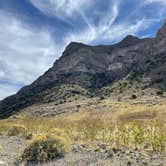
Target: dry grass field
[(132, 125)]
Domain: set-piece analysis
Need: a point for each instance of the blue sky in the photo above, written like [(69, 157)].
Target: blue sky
[(35, 32)]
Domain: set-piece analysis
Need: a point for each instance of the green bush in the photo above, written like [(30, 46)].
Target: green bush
[(45, 148)]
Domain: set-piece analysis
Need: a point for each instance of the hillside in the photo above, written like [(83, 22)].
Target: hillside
[(131, 68)]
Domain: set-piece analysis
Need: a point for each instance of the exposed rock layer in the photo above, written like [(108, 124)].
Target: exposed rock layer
[(93, 67)]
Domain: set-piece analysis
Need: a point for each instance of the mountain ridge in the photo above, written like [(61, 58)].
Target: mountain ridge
[(94, 67)]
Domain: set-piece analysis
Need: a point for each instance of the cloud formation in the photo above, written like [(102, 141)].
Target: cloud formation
[(25, 53), (62, 9), (28, 49), (162, 2)]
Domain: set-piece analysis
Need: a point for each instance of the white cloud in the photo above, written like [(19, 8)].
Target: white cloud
[(69, 9), (94, 32), (25, 52), (109, 18), (106, 29), (61, 8), (162, 2), (114, 34)]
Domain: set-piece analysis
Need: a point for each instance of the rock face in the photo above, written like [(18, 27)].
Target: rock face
[(93, 67), (161, 33)]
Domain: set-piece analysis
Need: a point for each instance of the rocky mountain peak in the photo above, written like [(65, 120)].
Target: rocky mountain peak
[(93, 68), (130, 37), (162, 32), (129, 40), (72, 47)]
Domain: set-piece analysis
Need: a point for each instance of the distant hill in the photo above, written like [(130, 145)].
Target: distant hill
[(131, 68)]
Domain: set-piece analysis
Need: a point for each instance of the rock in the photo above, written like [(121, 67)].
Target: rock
[(83, 146), (161, 33), (77, 148), (2, 163), (110, 154), (102, 150), (102, 146), (116, 150), (122, 156)]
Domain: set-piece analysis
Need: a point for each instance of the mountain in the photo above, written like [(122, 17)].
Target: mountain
[(132, 65)]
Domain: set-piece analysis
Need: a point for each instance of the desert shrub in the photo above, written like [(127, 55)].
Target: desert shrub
[(17, 130), (125, 84), (159, 93), (133, 96), (160, 80), (78, 106), (45, 148), (102, 98)]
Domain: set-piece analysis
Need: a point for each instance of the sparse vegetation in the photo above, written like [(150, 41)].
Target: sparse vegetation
[(3, 128), (18, 130), (106, 101), (159, 93), (133, 96), (135, 126), (46, 147)]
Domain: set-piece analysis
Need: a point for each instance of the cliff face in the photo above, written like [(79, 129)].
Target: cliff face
[(93, 67)]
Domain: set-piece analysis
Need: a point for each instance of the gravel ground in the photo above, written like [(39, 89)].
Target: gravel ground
[(12, 147)]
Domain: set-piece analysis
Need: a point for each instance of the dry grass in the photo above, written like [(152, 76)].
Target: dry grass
[(133, 125)]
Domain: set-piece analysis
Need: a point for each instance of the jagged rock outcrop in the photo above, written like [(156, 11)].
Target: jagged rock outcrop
[(93, 67)]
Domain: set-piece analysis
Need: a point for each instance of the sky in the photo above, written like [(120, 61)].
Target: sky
[(34, 33)]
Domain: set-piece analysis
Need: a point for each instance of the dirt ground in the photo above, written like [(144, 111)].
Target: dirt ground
[(12, 147)]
